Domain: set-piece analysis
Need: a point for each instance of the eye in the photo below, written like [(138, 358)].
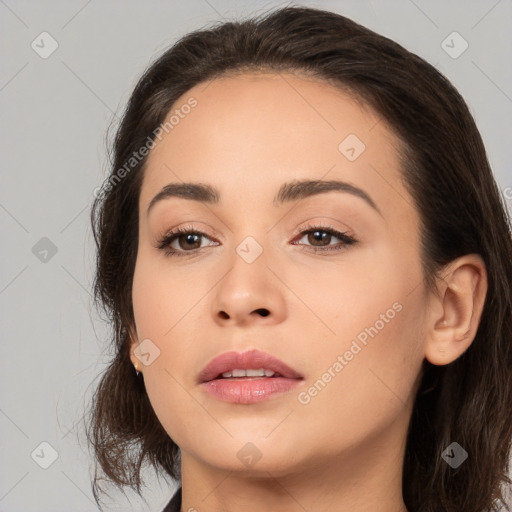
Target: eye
[(320, 236), (187, 239)]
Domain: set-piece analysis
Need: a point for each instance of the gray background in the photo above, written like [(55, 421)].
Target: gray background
[(55, 113)]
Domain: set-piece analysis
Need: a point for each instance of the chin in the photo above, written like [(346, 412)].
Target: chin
[(250, 456)]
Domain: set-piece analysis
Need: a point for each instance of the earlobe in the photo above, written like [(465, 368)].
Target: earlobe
[(456, 311)]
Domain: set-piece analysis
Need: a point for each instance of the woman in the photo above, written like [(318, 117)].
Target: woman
[(308, 262)]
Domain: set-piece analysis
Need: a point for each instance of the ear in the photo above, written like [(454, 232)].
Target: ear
[(133, 342), (454, 313)]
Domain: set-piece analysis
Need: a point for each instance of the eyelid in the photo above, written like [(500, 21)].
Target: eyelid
[(323, 224), (186, 229)]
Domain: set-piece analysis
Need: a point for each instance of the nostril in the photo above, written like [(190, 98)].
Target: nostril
[(263, 311)]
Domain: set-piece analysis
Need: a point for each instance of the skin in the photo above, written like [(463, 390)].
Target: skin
[(343, 450)]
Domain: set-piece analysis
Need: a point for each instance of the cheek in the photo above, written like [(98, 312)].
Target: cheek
[(163, 298), (344, 297), (160, 309), (369, 348), (360, 389), (169, 311)]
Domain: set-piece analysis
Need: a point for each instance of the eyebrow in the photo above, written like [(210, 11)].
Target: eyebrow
[(288, 192)]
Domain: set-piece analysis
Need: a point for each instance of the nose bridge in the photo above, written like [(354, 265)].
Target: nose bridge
[(249, 289)]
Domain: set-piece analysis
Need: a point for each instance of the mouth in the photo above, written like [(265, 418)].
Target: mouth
[(248, 377), (252, 364)]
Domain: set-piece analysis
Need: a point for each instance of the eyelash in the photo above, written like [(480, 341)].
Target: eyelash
[(169, 237)]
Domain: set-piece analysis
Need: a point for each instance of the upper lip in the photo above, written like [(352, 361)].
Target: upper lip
[(244, 360)]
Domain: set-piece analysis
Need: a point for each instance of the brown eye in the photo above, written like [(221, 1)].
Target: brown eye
[(319, 239), (189, 241), (319, 236), (182, 242)]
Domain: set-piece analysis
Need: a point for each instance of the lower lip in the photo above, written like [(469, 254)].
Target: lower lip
[(249, 390)]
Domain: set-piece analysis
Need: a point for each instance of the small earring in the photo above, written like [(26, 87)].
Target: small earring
[(137, 370)]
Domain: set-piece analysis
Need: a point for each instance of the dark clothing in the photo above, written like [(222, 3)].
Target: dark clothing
[(175, 504)]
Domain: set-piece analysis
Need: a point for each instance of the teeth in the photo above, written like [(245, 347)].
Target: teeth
[(262, 372)]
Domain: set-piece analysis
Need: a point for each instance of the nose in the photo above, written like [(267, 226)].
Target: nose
[(250, 293)]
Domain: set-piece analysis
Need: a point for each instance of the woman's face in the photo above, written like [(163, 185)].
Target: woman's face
[(349, 317)]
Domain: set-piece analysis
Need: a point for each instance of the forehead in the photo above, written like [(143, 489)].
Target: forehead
[(251, 132)]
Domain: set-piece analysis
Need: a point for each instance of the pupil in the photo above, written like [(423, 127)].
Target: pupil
[(189, 238), (320, 236)]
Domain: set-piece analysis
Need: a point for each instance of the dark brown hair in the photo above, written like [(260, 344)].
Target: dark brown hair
[(446, 171)]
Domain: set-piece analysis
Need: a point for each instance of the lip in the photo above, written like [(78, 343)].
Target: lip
[(247, 390), (243, 361)]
